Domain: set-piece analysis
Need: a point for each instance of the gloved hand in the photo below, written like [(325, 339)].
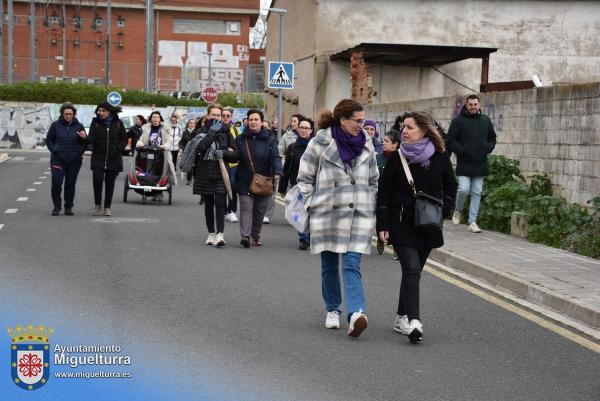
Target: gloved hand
[(218, 154), (214, 126)]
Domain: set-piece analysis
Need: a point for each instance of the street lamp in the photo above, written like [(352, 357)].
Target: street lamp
[(282, 12), (209, 66)]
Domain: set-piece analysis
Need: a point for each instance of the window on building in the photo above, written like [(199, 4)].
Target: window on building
[(206, 27)]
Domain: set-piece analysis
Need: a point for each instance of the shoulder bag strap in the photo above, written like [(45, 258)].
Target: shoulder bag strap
[(407, 172), (249, 155)]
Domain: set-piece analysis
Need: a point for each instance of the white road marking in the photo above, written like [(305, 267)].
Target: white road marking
[(46, 172), (22, 199), (44, 159), (1, 225), (30, 189), (19, 158), (37, 183), (42, 177), (11, 211)]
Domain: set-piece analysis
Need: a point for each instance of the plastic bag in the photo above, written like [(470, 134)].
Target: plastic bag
[(295, 213)]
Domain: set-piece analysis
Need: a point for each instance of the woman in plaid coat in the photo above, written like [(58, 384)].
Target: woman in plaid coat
[(338, 178)]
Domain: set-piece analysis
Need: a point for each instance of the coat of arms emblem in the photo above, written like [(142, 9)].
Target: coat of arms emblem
[(30, 356)]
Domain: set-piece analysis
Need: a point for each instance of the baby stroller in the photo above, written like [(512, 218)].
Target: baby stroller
[(149, 174)]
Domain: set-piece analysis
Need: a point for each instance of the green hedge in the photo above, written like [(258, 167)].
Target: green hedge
[(59, 92), (551, 221)]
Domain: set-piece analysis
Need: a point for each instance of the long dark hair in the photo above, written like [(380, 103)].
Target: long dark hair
[(426, 124)]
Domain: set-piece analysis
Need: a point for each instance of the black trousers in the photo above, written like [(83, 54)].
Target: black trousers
[(412, 262), (174, 154), (104, 178), (212, 202)]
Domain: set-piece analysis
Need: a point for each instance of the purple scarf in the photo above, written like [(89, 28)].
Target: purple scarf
[(349, 146), (419, 152)]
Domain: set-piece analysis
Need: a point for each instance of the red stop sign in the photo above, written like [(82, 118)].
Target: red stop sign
[(209, 94)]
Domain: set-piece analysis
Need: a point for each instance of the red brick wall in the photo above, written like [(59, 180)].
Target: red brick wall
[(127, 56)]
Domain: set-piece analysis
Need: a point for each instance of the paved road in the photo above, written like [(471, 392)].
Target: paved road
[(248, 323)]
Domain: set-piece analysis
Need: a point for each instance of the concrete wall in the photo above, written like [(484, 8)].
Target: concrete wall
[(555, 39), (553, 130)]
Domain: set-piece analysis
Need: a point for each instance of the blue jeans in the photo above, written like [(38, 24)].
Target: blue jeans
[(330, 282), (66, 172), (474, 185)]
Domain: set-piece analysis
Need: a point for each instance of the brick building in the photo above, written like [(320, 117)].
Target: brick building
[(184, 32)]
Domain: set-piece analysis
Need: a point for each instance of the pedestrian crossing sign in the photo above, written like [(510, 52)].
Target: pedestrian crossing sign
[(281, 75)]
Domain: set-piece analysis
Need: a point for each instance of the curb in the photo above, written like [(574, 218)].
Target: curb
[(531, 292)]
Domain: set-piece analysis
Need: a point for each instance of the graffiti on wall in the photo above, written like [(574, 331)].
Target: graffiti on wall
[(25, 125), (495, 113), (22, 128), (192, 58)]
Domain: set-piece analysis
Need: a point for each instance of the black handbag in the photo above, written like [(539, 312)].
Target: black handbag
[(429, 213)]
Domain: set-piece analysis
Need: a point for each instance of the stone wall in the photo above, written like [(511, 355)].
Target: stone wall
[(554, 130)]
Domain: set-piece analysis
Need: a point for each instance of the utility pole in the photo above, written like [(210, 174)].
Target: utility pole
[(2, 42), (32, 41), (149, 46), (282, 12), (108, 22), (9, 42), (64, 39)]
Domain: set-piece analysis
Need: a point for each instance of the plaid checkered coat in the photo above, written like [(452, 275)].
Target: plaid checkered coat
[(341, 201)]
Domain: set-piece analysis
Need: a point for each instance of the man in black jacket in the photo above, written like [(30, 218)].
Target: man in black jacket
[(471, 137)]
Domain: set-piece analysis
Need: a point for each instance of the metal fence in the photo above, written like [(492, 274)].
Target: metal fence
[(132, 75)]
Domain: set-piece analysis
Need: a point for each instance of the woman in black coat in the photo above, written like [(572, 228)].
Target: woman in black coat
[(430, 166), (188, 134), (217, 144), (135, 132), (107, 139), (293, 154), (267, 162)]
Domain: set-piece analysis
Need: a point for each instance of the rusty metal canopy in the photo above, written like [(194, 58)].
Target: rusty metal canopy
[(413, 55)]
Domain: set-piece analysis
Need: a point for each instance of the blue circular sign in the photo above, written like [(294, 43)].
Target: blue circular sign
[(114, 98)]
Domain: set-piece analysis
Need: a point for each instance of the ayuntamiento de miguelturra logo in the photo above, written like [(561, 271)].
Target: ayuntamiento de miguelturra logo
[(30, 355)]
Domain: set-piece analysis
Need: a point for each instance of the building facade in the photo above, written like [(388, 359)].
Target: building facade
[(196, 42), (555, 40)]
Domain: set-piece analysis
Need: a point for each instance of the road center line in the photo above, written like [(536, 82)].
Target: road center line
[(37, 183), (30, 190), (22, 199), (42, 177), (1, 225), (11, 211)]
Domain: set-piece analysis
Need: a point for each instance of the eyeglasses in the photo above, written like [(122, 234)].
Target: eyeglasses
[(226, 115), (359, 122)]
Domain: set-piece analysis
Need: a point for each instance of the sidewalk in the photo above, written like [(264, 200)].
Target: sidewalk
[(563, 281)]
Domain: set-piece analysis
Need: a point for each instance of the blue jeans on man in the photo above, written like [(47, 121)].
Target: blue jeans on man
[(330, 282), (474, 186), (68, 173)]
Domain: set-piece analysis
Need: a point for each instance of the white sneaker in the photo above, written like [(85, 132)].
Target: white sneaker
[(233, 218), (456, 218), (415, 331), (266, 220), (333, 320), (228, 217), (358, 324), (474, 228), (210, 240), (220, 240), (401, 324)]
